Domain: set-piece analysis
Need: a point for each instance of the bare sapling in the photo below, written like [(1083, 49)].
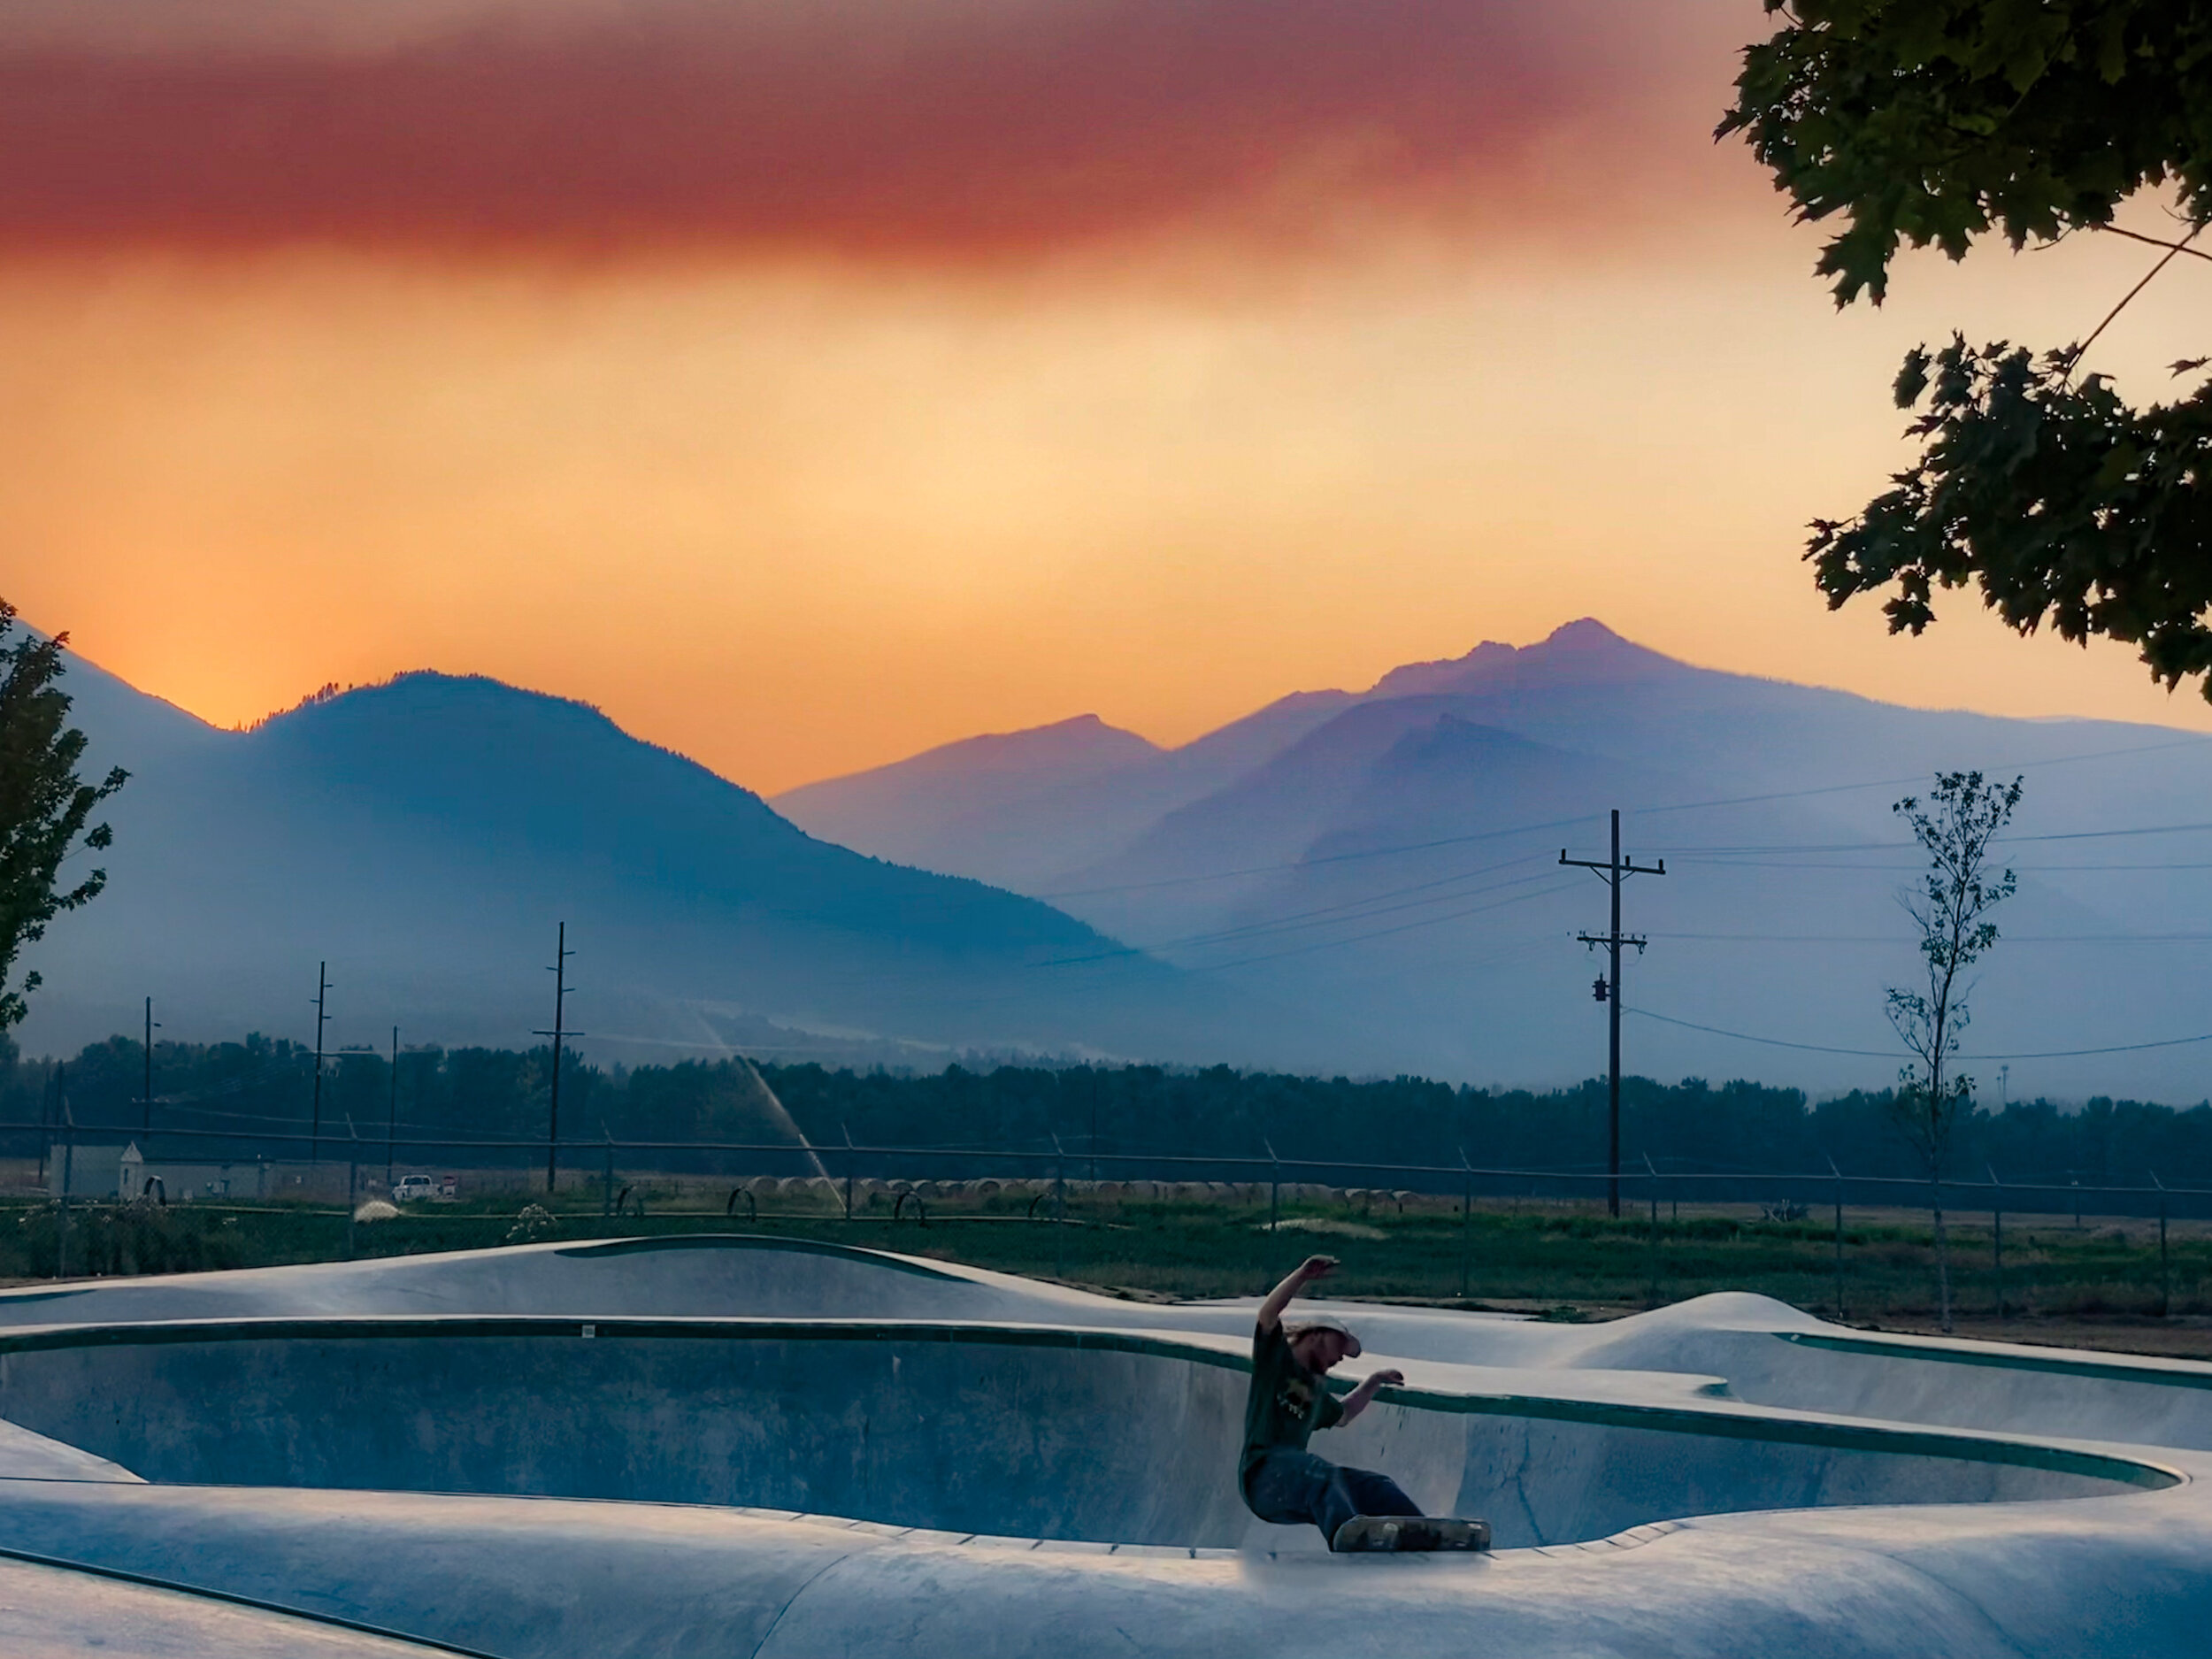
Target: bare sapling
[(1956, 825)]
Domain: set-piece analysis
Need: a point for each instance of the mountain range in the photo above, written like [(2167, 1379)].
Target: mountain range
[(425, 837), (1357, 881), (1390, 858)]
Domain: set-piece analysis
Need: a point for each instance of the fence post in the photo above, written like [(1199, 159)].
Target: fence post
[(68, 1169), (1653, 1171), (46, 1115), (2165, 1278), (1838, 1175), (353, 1179), (1940, 1240), (849, 1155), (1466, 1219), (1997, 1234), (1059, 1214), (606, 1190), (1274, 1191)]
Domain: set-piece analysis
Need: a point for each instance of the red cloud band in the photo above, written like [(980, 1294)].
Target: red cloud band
[(1016, 131)]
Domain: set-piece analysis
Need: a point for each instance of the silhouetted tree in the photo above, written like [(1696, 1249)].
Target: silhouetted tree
[(1940, 121), (45, 806), (1956, 825)]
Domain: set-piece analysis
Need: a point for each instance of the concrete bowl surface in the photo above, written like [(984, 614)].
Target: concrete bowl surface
[(749, 1446)]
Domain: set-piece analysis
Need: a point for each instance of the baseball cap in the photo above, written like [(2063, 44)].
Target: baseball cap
[(1329, 1321)]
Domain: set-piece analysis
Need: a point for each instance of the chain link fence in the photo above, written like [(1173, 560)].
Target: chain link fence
[(113, 1199)]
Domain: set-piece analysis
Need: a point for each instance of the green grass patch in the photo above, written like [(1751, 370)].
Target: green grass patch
[(1555, 1261)]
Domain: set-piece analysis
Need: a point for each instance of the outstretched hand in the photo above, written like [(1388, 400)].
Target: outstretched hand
[(1301, 1276), (1369, 1386)]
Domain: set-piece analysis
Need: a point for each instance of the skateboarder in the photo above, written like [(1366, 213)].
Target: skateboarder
[(1284, 1483)]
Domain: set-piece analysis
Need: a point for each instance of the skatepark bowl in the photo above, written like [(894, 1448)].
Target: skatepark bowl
[(749, 1446)]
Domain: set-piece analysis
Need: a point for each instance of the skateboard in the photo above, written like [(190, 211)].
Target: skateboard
[(1406, 1533)]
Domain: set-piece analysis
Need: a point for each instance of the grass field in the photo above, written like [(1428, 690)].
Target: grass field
[(2101, 1284)]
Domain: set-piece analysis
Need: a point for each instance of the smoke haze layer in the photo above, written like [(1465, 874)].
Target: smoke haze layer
[(907, 130)]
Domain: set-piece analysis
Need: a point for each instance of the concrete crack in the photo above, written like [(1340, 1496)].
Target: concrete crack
[(789, 1601)]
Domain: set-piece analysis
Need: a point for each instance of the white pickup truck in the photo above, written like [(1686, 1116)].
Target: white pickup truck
[(411, 1187)]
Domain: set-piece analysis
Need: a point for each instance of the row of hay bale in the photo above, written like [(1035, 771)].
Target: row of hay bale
[(824, 1188), (790, 1187)]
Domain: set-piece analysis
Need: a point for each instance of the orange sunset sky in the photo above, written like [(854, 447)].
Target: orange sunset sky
[(807, 384)]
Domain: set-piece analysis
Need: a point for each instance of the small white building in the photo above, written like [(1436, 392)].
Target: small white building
[(86, 1169), (180, 1183)]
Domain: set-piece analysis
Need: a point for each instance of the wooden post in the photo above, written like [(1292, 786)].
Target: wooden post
[(1059, 1213), (2165, 1275), (1838, 1175), (849, 1169), (353, 1179), (68, 1169), (1997, 1235), (1652, 1170), (1466, 1220), (1274, 1191)]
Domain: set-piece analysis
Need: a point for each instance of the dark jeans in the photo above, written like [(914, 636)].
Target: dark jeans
[(1287, 1487)]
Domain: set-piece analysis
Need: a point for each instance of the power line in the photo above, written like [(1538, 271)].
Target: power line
[(2092, 835), (1899, 783), (1749, 848), (1360, 910), (1314, 864), (1383, 932), (1566, 823), (1713, 853), (1893, 1054), (2025, 869), (1902, 939), (1132, 953), (1372, 905)]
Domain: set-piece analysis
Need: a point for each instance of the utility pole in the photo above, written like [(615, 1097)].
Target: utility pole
[(315, 1128), (146, 1107), (391, 1112), (559, 971), (1613, 873)]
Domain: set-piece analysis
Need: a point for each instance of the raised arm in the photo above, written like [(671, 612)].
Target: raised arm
[(1305, 1273)]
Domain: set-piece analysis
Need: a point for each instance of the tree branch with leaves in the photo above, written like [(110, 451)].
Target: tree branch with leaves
[(45, 808), (1956, 825), (1938, 123)]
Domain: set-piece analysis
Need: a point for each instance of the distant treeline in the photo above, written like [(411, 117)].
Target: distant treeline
[(256, 1092)]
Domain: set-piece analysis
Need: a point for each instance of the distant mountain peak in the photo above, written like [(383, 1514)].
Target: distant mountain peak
[(417, 684), (441, 701), (1584, 648), (1088, 727), (1414, 680), (1584, 634), (1080, 745)]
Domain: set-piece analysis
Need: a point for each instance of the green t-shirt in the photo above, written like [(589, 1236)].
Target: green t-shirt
[(1287, 1404)]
